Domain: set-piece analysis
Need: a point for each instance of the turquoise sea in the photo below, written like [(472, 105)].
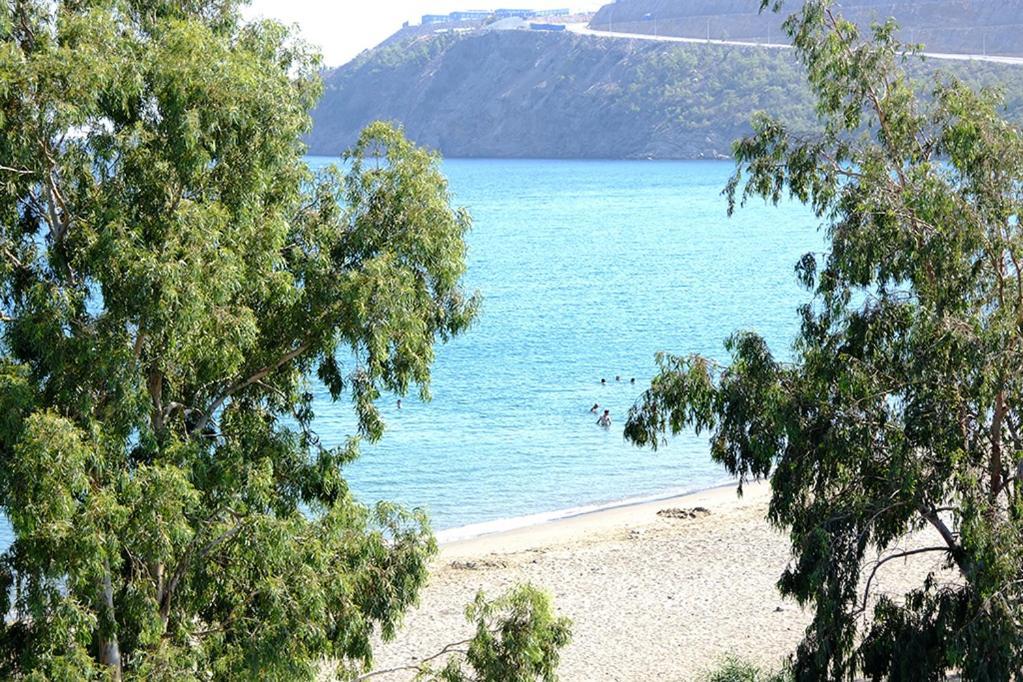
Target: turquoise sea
[(587, 269)]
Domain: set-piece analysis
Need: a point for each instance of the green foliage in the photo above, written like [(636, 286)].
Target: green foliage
[(705, 89), (903, 406), (518, 639), (403, 51), (171, 277), (733, 669)]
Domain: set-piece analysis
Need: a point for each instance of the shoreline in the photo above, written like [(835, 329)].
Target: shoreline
[(610, 520), (508, 524)]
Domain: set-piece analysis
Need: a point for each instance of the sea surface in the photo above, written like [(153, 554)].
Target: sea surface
[(587, 270)]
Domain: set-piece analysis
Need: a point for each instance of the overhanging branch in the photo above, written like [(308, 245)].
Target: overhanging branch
[(882, 562), (449, 649), (246, 382)]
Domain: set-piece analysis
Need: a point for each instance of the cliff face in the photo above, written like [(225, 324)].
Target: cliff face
[(559, 95), (544, 95), (958, 26)]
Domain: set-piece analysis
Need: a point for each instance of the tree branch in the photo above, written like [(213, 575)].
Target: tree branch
[(15, 261), (882, 562), (448, 649), (54, 200), (190, 555), (995, 464), (245, 382), (140, 341), (947, 535)]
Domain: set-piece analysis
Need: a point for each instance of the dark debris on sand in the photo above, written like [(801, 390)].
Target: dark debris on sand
[(676, 513)]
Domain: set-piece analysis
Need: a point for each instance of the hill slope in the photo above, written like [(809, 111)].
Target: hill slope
[(547, 95), (959, 26)]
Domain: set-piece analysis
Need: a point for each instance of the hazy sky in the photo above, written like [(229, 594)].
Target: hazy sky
[(344, 28)]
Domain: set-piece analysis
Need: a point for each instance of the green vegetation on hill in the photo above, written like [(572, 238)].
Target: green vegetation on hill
[(531, 94)]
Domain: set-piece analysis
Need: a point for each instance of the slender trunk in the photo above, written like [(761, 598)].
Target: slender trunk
[(155, 385), (1017, 489), (163, 599), (947, 535), (109, 647), (157, 570), (995, 466)]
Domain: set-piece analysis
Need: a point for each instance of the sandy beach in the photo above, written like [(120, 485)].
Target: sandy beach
[(651, 597)]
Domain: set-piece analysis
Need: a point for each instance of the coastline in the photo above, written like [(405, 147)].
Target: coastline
[(473, 531), (651, 597)]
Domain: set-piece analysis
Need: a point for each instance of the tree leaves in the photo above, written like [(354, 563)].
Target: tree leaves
[(902, 405), (518, 639), (173, 275)]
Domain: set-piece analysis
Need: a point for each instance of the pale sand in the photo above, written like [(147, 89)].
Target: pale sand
[(651, 598)]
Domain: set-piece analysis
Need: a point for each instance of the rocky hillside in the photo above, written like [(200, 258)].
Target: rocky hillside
[(560, 95), (960, 26), (531, 94)]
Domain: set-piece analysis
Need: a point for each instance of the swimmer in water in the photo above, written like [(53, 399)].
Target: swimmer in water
[(632, 380), (618, 377), (603, 381), (399, 403), (605, 419), (595, 407)]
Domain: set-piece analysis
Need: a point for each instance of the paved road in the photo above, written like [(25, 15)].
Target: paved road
[(581, 29)]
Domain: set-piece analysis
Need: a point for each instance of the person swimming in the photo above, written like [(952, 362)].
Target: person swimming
[(605, 419), (603, 381), (632, 380), (399, 403), (596, 406), (618, 377)]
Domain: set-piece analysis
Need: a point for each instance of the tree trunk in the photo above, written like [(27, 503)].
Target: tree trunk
[(155, 385), (109, 647), (995, 470)]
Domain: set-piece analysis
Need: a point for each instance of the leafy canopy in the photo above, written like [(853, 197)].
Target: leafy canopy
[(902, 408), (171, 277)]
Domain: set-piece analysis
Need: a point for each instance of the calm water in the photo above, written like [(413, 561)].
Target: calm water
[(587, 270)]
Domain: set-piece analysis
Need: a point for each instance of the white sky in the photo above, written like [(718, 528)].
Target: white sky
[(344, 28)]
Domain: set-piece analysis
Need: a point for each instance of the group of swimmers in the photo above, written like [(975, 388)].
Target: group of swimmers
[(605, 419)]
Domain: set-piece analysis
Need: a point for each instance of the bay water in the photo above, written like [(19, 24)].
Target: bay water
[(587, 269)]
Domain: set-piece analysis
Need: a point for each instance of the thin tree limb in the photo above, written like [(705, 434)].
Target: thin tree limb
[(448, 649), (246, 382), (179, 571), (882, 562)]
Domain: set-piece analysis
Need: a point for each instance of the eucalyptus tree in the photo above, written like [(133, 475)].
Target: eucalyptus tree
[(171, 277), (901, 407)]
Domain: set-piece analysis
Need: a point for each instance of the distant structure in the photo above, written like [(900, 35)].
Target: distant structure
[(534, 26), (507, 24), (483, 15)]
